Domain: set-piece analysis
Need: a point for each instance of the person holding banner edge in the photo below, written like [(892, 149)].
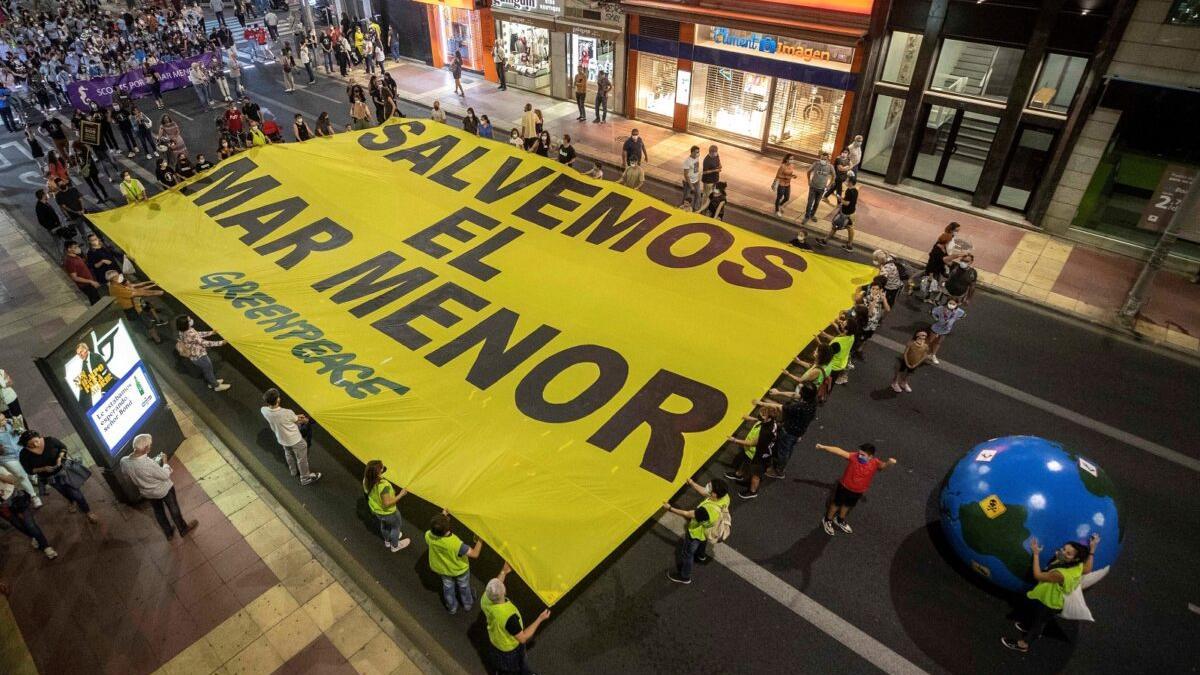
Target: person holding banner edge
[(700, 520), (507, 633)]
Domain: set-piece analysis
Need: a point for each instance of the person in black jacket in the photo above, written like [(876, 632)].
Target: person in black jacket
[(46, 215), (47, 457)]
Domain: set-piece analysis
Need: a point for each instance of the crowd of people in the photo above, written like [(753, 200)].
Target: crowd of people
[(46, 51)]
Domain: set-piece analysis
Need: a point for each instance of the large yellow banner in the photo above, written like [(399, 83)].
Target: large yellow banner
[(545, 355)]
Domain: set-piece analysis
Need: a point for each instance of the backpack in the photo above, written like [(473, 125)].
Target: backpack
[(901, 269), (720, 531)]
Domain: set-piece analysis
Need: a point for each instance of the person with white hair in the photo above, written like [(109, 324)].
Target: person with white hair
[(152, 478), (507, 633)]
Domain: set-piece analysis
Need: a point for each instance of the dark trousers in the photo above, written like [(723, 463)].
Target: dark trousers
[(581, 100), (9, 122), (73, 494), (690, 552), (601, 105), (785, 443), (312, 76), (92, 294), (127, 136), (782, 194), (25, 524), (93, 181), (501, 75), (815, 195), (146, 139), (1039, 616), (161, 507)]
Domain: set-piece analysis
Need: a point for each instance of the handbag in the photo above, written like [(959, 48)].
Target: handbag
[(75, 474), (775, 185), (1074, 607), (840, 220)]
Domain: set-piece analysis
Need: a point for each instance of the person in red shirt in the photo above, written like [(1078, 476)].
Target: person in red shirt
[(233, 122), (77, 269), (861, 466)]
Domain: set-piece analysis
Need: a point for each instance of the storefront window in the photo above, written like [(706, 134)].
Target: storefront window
[(1184, 13), (528, 55), (461, 34), (1025, 167), (901, 58), (727, 102), (975, 69), (656, 85), (881, 137), (805, 117), (593, 54), (1057, 82)]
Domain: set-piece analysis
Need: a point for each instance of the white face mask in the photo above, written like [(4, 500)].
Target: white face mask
[(963, 263)]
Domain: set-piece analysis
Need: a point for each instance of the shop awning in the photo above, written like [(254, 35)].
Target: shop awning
[(808, 24)]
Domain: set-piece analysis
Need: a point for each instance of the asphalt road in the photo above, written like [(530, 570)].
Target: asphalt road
[(891, 581)]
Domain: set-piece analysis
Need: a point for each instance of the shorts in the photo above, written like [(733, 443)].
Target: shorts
[(844, 497), (904, 366), (846, 223), (12, 409), (756, 466)]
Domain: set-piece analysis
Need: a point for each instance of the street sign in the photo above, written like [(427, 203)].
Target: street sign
[(1164, 203), (89, 132)]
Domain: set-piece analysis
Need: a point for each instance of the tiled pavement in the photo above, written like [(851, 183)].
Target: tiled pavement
[(1031, 266), (246, 593)]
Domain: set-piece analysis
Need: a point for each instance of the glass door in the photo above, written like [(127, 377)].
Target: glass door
[(1026, 165), (953, 147)]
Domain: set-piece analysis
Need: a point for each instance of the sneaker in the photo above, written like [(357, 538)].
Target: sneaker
[(1014, 645), (847, 247), (149, 155), (402, 545), (130, 154), (50, 553), (849, 366), (191, 526), (896, 388), (1019, 626), (312, 478), (822, 241), (732, 475), (770, 473), (778, 212), (677, 580), (33, 543), (747, 494), (842, 380), (93, 518), (934, 360), (843, 526), (827, 525), (221, 386), (71, 508), (36, 501), (907, 388)]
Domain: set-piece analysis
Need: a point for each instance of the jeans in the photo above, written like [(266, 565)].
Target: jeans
[(72, 494), (237, 84), (581, 100), (1039, 616), (288, 82), (501, 75), (25, 524), (814, 197), (14, 467), (127, 136), (7, 116), (691, 193), (312, 76), (169, 503), (328, 62), (206, 369), (202, 94), (463, 584), (601, 104), (690, 550), (785, 443), (389, 526), (297, 460), (223, 88), (783, 193)]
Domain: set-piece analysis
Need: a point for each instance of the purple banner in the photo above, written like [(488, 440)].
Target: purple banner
[(99, 91)]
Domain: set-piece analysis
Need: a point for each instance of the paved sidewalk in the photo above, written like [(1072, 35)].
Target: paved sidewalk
[(248, 592), (1031, 266)]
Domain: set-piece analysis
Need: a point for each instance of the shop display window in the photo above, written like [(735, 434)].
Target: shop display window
[(528, 55), (460, 32), (976, 69), (901, 58), (881, 136), (1057, 82), (593, 54), (656, 85), (727, 102), (805, 117)]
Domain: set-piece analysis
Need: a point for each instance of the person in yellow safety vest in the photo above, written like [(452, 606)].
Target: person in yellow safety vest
[(700, 520), (257, 137), (1060, 578), (507, 633), (450, 559), (132, 188)]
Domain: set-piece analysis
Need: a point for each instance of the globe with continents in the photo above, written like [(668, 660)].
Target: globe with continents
[(1008, 490)]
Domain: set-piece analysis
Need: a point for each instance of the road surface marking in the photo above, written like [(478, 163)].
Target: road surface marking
[(874, 651), (190, 119), (1054, 409)]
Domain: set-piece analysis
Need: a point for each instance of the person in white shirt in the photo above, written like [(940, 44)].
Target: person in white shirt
[(10, 457), (691, 180), (293, 432), (437, 114), (152, 477)]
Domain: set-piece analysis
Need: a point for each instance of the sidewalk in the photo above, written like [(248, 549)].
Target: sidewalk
[(248, 592), (1034, 267)]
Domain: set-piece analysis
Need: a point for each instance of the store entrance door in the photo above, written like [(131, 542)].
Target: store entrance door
[(953, 147)]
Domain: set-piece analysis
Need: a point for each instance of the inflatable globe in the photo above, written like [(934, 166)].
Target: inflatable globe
[(1007, 490)]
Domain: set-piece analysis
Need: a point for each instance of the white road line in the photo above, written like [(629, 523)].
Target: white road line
[(858, 641), (1054, 409), (190, 119)]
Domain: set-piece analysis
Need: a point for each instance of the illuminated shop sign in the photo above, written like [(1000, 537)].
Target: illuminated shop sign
[(783, 48), (535, 6)]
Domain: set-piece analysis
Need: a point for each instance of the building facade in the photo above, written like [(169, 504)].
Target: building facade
[(1138, 148), (771, 76)]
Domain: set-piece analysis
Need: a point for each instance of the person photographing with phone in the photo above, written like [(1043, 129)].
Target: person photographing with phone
[(1060, 578), (152, 477)]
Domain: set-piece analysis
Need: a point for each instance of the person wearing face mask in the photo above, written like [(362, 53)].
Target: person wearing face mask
[(945, 317), (700, 520), (840, 342), (125, 294), (1060, 578), (861, 467), (192, 345), (914, 356), (634, 149), (515, 140), (382, 499), (960, 283)]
